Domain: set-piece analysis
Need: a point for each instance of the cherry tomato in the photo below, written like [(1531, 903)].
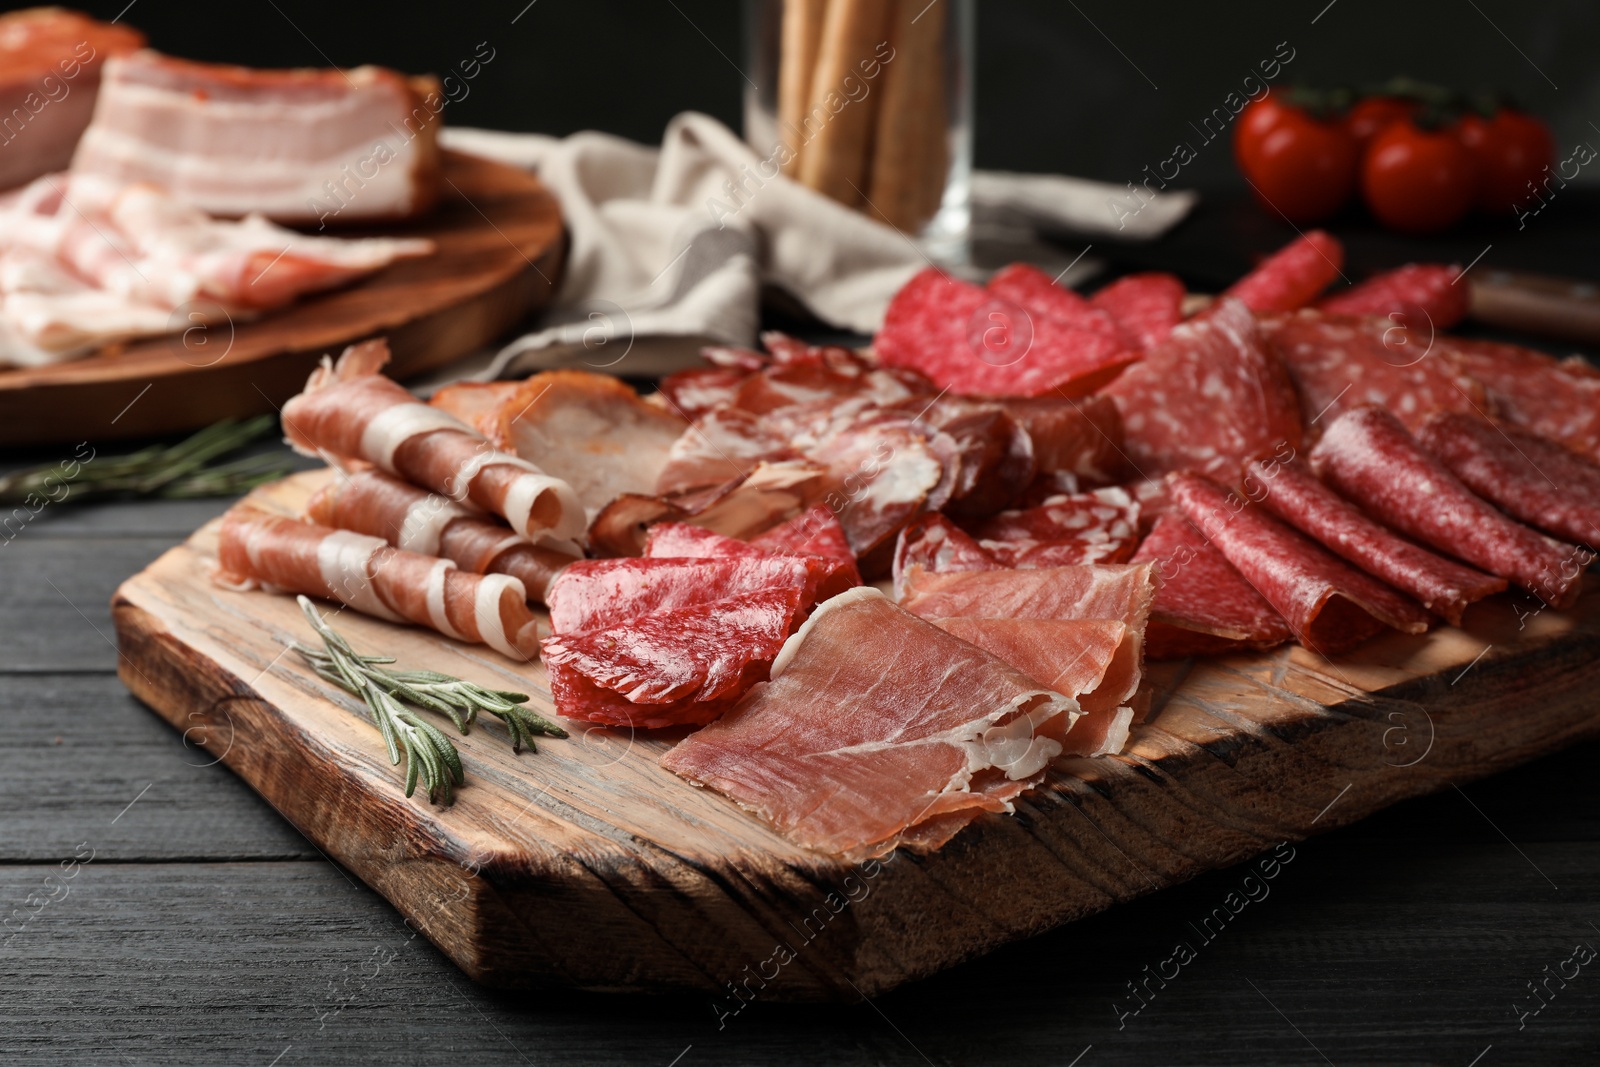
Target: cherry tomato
[(1511, 150), (1416, 180), (1297, 165), (1370, 116)]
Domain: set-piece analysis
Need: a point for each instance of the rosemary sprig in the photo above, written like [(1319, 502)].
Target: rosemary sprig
[(183, 470), (428, 751)]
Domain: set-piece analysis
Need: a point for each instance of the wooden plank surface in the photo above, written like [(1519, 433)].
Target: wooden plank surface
[(659, 886)]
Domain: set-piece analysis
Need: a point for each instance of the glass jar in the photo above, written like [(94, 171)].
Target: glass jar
[(869, 102)]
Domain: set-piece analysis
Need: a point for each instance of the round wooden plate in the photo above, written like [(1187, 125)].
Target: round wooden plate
[(500, 246)]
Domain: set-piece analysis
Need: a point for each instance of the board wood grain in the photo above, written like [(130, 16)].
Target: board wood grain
[(499, 250), (588, 865)]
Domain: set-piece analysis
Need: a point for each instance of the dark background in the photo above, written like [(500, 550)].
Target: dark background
[(1093, 87)]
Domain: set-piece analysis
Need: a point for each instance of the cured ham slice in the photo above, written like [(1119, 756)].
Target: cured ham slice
[(1329, 605), (1294, 495), (1529, 477), (958, 731), (1207, 398), (596, 593), (1424, 296), (677, 540), (1145, 307), (294, 145), (1340, 363), (373, 503), (974, 343), (1369, 456), (352, 412), (257, 549), (1203, 606), (50, 62), (1082, 436), (1091, 591), (678, 667), (1558, 399), (1291, 277)]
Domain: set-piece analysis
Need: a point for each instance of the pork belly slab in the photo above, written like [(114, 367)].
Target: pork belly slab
[(300, 146)]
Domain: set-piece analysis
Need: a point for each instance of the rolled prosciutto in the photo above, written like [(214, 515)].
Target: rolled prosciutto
[(379, 505), (257, 549), (351, 411)]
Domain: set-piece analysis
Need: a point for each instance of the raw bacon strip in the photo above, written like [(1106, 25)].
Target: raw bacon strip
[(1145, 307), (353, 412), (258, 549), (974, 343), (1430, 288), (1329, 605), (1204, 606), (1529, 477), (1091, 591), (677, 540), (373, 503), (1368, 456), (1082, 436), (1340, 363), (1036, 292), (596, 593), (1101, 526), (1207, 398), (957, 731), (1291, 277), (1291, 493), (1555, 399), (671, 668), (934, 543)]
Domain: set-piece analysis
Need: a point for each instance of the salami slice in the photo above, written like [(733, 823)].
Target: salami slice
[(1203, 606), (699, 390), (676, 540), (1207, 398), (373, 503), (1423, 296), (1033, 290), (1555, 399), (1529, 477), (1368, 456), (1291, 277), (974, 343), (1145, 307), (596, 593), (256, 548), (1329, 605), (1340, 363), (1294, 495), (816, 532), (1082, 436), (1100, 526), (992, 458), (934, 543)]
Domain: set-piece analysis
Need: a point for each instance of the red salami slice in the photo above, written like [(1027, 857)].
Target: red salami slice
[(1544, 484), (596, 593), (1082, 436), (1294, 495), (1340, 363), (934, 543), (1033, 290), (720, 447), (1145, 307), (1203, 605), (1208, 398), (1101, 526), (1329, 605), (991, 459), (1368, 456), (670, 668), (699, 390), (816, 532), (1432, 289), (974, 343), (1555, 399), (1291, 277)]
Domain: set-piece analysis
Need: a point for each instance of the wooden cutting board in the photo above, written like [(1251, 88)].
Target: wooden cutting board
[(500, 247), (588, 865)]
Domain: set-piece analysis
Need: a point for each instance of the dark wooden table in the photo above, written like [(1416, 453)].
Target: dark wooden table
[(160, 912)]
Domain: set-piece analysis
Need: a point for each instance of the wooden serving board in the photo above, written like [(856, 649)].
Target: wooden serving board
[(588, 865), (500, 246)]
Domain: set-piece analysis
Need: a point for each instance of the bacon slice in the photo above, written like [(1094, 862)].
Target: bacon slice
[(1145, 307), (1329, 605), (1558, 399), (1203, 606), (294, 145), (1291, 277), (1207, 398), (1424, 296), (373, 503), (1294, 495), (1529, 477), (258, 549), (1368, 456), (958, 731), (351, 411)]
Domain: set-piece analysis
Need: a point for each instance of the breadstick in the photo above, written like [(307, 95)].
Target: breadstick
[(843, 100), (802, 33), (909, 158)]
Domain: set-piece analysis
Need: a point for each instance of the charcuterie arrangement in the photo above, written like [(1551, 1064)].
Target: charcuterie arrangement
[(872, 596)]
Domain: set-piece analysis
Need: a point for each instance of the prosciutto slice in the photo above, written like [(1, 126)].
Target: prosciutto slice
[(1369, 456), (1091, 591), (257, 549), (373, 503), (1294, 495), (350, 411), (938, 728), (294, 145), (1329, 605)]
